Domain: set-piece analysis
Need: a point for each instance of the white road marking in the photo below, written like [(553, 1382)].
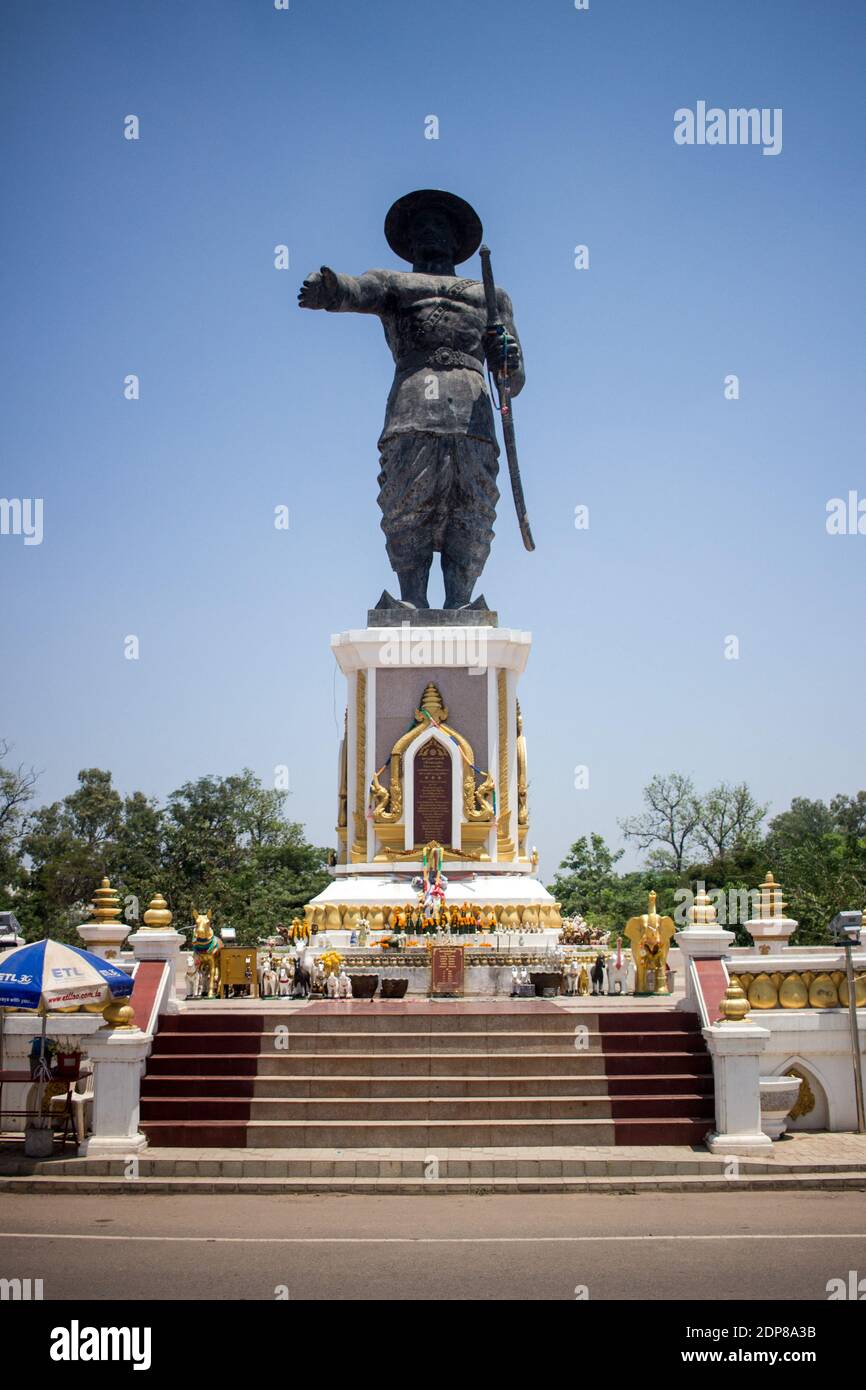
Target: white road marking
[(424, 1240)]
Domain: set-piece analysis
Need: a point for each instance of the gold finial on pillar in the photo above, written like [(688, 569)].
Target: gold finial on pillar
[(735, 1005), (106, 904), (158, 915), (702, 912), (119, 1014), (771, 899)]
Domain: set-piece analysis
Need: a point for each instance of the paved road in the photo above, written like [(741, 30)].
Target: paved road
[(678, 1246)]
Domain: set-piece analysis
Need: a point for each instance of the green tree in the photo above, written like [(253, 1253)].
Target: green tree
[(667, 826), (729, 818), (71, 845), (229, 847), (17, 788)]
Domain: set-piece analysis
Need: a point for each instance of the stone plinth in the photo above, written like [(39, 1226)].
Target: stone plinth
[(104, 939), (736, 1051), (433, 754)]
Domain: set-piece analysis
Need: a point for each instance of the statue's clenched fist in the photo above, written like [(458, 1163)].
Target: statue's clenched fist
[(319, 290)]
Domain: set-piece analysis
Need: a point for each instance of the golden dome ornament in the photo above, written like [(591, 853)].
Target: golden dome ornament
[(735, 1005), (158, 915), (119, 1015)]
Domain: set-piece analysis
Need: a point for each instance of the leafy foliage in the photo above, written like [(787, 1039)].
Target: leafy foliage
[(817, 852), (219, 842)]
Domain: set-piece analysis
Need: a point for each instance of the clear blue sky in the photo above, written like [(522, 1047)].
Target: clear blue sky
[(707, 516)]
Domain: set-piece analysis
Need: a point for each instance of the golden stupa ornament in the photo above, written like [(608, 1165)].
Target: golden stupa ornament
[(158, 915), (702, 913), (735, 1005), (770, 895), (106, 904)]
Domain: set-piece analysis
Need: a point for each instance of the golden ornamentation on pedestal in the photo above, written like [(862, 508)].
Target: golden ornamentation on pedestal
[(806, 1099), (119, 1015), (702, 913), (823, 993), (763, 993), (158, 915), (388, 801), (770, 897), (359, 845), (343, 792), (800, 989), (105, 907), (505, 845), (522, 787), (793, 994), (650, 937), (735, 1005)]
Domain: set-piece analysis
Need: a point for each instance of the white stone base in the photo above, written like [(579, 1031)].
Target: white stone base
[(394, 888), (738, 1144), (94, 1147)]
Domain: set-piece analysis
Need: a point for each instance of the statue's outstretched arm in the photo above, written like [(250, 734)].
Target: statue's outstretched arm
[(358, 294)]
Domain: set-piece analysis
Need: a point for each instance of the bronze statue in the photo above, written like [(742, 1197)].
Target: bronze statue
[(438, 449)]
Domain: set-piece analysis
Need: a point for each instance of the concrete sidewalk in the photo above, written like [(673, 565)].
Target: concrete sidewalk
[(807, 1161)]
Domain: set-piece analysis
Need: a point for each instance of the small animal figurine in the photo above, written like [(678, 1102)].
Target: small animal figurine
[(193, 978)]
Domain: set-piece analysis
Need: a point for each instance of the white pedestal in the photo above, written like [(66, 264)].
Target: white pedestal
[(104, 939), (475, 670), (151, 944), (700, 943), (117, 1055), (736, 1050), (771, 934)]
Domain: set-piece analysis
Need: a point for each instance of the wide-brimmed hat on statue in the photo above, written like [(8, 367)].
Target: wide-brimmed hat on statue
[(465, 220)]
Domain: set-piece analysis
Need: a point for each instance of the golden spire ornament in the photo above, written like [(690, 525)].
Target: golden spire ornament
[(105, 906), (702, 912), (771, 899), (735, 1005)]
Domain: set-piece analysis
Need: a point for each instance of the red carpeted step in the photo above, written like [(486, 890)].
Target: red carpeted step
[(678, 1107), (211, 1064), (669, 1131), (628, 1063), (649, 1085), (165, 1044), (655, 1041), (476, 1077), (648, 1021), (202, 1086), (211, 1021)]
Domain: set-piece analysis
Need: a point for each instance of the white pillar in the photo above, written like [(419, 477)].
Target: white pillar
[(150, 944), (770, 929), (736, 1049), (702, 939), (117, 1055)]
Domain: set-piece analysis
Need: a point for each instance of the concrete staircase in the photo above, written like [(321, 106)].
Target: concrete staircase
[(426, 1076)]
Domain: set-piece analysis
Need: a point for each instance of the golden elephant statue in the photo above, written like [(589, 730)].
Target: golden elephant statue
[(650, 937)]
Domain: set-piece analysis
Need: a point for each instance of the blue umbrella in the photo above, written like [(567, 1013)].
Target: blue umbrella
[(48, 973)]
